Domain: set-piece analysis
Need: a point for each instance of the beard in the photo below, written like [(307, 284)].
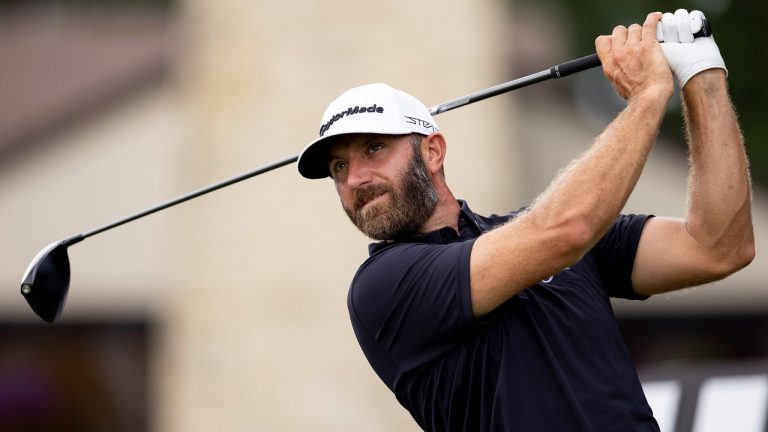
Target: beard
[(409, 206)]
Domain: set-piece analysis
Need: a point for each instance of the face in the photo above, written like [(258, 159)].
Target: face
[(384, 186)]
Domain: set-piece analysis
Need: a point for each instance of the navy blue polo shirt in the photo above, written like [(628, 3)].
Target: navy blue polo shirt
[(551, 358)]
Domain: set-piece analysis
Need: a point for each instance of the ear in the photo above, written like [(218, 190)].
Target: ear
[(433, 148)]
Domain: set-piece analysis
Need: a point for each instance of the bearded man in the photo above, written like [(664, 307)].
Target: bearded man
[(504, 323)]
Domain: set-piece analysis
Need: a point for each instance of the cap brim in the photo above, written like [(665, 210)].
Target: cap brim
[(313, 160)]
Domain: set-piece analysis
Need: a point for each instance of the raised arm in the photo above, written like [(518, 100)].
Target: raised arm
[(584, 200), (715, 239)]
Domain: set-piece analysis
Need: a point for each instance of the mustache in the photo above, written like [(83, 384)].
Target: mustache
[(363, 195)]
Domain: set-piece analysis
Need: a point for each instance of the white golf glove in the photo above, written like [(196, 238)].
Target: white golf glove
[(687, 56)]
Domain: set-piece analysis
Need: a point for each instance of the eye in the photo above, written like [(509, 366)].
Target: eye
[(338, 165), (375, 147)]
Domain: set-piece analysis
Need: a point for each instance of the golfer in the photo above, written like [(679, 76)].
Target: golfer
[(503, 323)]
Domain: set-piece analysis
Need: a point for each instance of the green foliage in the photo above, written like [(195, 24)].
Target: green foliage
[(740, 30)]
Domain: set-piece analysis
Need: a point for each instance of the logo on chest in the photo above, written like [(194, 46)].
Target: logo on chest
[(551, 278)]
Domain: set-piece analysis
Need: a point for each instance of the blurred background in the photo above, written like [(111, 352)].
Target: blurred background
[(229, 312)]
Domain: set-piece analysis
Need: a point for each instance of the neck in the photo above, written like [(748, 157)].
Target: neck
[(446, 212)]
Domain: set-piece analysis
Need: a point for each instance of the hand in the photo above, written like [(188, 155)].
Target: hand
[(687, 56), (633, 62)]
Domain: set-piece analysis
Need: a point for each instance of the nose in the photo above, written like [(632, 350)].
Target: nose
[(358, 174)]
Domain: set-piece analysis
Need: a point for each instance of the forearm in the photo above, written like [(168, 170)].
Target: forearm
[(594, 188), (571, 215), (584, 200), (719, 213)]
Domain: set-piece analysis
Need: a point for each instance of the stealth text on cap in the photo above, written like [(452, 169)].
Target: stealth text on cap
[(350, 111), (419, 122)]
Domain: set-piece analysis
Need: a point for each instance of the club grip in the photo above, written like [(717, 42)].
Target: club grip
[(706, 29), (573, 66), (590, 61)]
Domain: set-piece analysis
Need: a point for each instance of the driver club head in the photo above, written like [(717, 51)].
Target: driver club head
[(46, 282)]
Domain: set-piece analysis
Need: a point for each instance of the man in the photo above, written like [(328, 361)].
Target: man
[(504, 322)]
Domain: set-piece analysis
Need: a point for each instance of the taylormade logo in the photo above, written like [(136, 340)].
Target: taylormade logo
[(350, 111)]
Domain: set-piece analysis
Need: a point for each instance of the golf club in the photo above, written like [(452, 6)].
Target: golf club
[(45, 284)]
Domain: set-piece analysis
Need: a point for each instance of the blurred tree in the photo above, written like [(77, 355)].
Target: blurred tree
[(6, 5), (737, 27)]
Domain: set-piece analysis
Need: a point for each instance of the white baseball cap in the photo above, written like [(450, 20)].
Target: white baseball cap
[(373, 108)]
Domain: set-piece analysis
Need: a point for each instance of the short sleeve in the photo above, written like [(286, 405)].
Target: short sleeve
[(409, 302), (615, 254)]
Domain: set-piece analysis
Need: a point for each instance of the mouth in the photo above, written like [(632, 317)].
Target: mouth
[(364, 197), (372, 200)]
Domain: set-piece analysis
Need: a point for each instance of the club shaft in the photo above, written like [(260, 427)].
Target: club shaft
[(557, 71), (194, 194), (490, 92), (554, 72)]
